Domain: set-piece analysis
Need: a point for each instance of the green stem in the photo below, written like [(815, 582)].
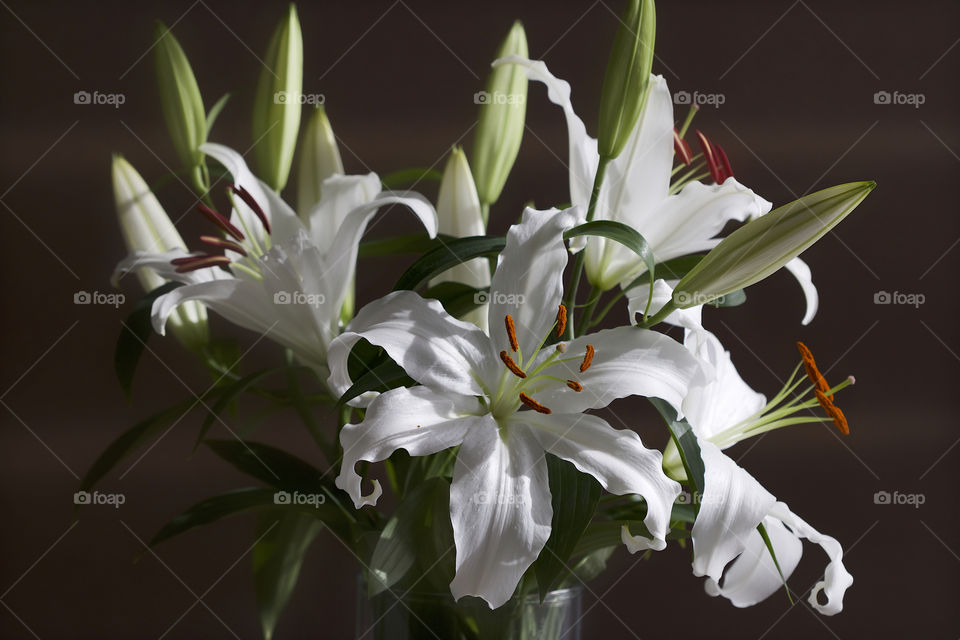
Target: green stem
[(578, 263), (586, 318), (485, 212)]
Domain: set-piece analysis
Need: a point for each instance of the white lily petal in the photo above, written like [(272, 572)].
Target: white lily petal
[(242, 217), (528, 282), (616, 458), (342, 258), (433, 347), (500, 508), (627, 361), (341, 195), (732, 505), (836, 578), (584, 156), (801, 272), (417, 420), (636, 184), (753, 576), (723, 399)]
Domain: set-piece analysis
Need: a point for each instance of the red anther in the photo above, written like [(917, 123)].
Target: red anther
[(250, 202), (681, 148), (710, 157), (221, 222), (724, 162), (221, 243), (189, 259), (203, 263)]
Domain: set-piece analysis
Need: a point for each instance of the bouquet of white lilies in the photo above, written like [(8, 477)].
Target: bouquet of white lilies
[(467, 392)]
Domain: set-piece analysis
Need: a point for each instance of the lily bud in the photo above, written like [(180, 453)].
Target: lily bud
[(276, 111), (627, 77), (503, 107), (181, 103), (319, 159), (145, 226), (765, 244), (459, 215)]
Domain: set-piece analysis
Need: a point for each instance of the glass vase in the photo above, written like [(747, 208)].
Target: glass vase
[(416, 616)]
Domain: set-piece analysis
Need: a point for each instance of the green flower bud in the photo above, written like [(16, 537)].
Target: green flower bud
[(319, 159), (763, 245), (181, 103), (503, 107), (627, 77), (276, 111), (145, 226)]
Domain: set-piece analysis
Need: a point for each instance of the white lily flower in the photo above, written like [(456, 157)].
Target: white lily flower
[(721, 413), (505, 399), (282, 278), (636, 187), (460, 216)]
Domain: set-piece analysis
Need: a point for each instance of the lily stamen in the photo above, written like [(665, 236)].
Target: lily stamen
[(681, 148), (511, 332), (587, 358), (222, 243), (533, 404), (813, 372), (250, 202), (219, 220), (511, 365), (185, 265), (561, 321), (576, 386)]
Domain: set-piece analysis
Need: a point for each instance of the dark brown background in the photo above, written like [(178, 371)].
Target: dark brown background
[(398, 78)]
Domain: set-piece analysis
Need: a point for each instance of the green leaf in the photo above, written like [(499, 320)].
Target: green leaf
[(591, 565), (452, 253), (271, 465), (382, 377), (408, 178), (457, 298), (686, 441), (764, 245), (410, 243), (216, 109), (625, 235), (575, 498), (396, 549), (766, 541), (133, 337), (278, 554), (215, 508), (132, 439)]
